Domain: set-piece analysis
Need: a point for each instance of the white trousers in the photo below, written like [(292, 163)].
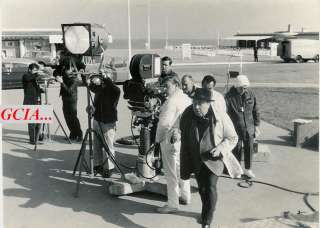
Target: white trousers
[(109, 133), (171, 166)]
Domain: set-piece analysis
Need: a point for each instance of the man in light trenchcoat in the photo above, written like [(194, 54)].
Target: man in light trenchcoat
[(207, 138)]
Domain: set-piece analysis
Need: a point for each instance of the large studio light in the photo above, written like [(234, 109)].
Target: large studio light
[(85, 39), (77, 39)]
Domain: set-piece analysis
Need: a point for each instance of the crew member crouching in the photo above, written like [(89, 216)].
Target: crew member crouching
[(105, 116)]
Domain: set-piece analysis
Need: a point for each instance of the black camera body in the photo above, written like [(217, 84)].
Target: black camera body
[(144, 97)]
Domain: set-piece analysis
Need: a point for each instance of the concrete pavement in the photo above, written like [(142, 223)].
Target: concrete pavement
[(38, 185)]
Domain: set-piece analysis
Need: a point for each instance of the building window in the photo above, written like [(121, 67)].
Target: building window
[(9, 44)]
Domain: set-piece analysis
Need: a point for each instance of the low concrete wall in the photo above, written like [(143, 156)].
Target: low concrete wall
[(306, 133)]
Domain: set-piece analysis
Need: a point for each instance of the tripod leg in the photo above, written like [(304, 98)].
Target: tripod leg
[(76, 194), (37, 136), (57, 130), (61, 127), (81, 152), (48, 132)]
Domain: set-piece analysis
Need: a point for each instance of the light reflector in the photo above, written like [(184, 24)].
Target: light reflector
[(77, 39)]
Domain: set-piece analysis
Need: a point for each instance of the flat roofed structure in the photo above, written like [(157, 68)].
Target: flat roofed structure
[(30, 43), (248, 38)]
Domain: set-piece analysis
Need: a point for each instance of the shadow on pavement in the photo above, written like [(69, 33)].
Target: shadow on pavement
[(45, 177)]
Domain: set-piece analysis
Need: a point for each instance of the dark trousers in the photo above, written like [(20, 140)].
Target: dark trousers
[(69, 109), (33, 130), (207, 185), (247, 141)]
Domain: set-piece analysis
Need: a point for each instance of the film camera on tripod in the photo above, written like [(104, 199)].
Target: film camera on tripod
[(145, 96)]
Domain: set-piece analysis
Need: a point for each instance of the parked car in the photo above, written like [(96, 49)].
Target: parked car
[(12, 71)]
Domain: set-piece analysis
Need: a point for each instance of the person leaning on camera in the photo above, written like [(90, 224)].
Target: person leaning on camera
[(32, 96), (105, 116)]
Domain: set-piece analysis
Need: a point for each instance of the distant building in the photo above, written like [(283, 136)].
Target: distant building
[(263, 40), (31, 43)]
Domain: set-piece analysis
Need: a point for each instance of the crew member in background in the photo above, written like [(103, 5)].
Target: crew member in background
[(255, 53), (207, 138), (168, 135), (166, 63), (69, 93), (218, 101), (45, 71), (243, 110), (32, 96), (105, 116), (188, 85)]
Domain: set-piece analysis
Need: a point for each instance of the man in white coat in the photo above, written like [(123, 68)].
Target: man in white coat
[(169, 138)]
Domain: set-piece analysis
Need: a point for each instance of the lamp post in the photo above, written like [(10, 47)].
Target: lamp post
[(148, 25), (167, 35), (129, 33)]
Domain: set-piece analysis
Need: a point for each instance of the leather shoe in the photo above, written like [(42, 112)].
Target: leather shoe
[(79, 138), (199, 220), (166, 210), (205, 226), (184, 201), (101, 171), (249, 173)]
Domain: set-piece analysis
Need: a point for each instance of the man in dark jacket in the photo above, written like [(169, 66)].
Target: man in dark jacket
[(166, 63), (105, 116), (243, 110), (69, 93), (255, 54), (207, 134), (32, 96)]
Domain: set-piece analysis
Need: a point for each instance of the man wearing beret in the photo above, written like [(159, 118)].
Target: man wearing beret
[(207, 138), (242, 108)]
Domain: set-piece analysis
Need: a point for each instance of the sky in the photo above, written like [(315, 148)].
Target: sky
[(189, 19)]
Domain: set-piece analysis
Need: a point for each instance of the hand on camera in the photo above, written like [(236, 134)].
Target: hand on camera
[(59, 79), (176, 136), (214, 153), (79, 77), (90, 109)]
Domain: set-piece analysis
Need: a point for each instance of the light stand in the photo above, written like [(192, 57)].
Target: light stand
[(81, 161), (47, 126), (83, 39)]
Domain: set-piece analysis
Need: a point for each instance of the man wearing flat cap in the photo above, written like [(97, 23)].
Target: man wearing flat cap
[(243, 110), (207, 138)]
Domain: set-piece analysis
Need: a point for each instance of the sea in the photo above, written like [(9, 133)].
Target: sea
[(159, 43)]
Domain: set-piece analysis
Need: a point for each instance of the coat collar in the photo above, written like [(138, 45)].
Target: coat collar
[(212, 121)]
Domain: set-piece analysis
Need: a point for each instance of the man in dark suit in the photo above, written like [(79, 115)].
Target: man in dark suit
[(207, 135), (32, 96)]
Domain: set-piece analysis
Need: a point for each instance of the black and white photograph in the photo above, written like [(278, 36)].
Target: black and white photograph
[(159, 114)]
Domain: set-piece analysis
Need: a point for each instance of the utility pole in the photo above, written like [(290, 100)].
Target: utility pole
[(129, 33), (167, 35), (148, 19), (218, 40)]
